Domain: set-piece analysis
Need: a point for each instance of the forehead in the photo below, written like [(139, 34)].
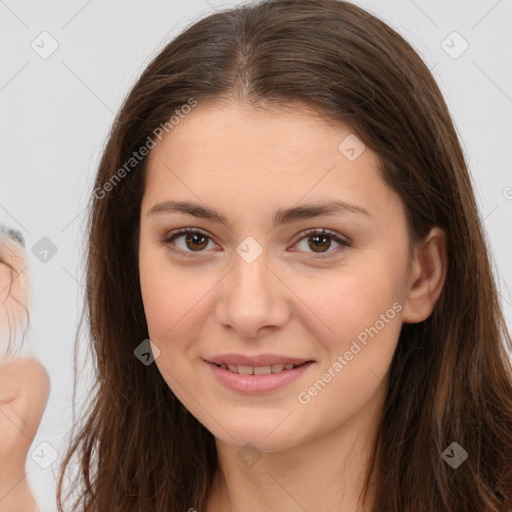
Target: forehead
[(237, 133), (237, 155)]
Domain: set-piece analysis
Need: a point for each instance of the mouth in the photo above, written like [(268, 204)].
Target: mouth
[(259, 370), (257, 380)]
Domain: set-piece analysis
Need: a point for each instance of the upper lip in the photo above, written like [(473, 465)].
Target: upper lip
[(258, 360)]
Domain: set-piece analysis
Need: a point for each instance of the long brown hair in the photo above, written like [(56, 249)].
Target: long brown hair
[(138, 448)]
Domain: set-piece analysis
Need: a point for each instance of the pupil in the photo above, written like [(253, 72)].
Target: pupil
[(194, 238), (316, 245)]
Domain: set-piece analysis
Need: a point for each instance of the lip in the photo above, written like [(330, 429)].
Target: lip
[(258, 384), (258, 360)]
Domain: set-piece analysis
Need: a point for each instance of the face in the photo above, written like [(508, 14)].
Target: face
[(257, 277)]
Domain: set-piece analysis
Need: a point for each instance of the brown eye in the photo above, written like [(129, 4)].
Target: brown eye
[(320, 241), (187, 241), (196, 241)]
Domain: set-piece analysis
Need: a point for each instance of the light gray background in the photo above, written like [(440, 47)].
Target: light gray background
[(56, 113)]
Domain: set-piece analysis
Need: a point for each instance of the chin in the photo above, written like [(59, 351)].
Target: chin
[(262, 434), (258, 441)]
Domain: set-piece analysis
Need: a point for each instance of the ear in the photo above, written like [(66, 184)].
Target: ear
[(427, 276)]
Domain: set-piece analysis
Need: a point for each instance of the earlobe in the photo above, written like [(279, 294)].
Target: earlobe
[(427, 276)]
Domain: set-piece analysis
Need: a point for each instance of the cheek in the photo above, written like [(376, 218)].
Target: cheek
[(348, 303), (365, 317), (173, 298), (159, 294), (361, 309), (165, 302), (170, 304)]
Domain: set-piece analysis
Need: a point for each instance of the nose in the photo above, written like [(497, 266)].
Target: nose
[(252, 298)]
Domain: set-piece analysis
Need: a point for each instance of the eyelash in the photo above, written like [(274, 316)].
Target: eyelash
[(304, 234)]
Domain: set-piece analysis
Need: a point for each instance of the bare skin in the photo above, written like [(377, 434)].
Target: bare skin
[(204, 300), (24, 384), (24, 390)]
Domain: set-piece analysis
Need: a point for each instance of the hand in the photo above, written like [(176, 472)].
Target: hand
[(24, 391)]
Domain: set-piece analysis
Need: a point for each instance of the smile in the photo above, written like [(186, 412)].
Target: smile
[(257, 370), (257, 380)]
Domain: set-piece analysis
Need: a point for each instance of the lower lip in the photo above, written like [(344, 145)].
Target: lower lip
[(257, 384)]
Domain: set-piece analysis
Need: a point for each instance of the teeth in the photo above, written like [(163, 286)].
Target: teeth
[(262, 370), (257, 370)]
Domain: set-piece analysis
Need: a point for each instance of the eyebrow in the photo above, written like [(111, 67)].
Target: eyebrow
[(280, 217)]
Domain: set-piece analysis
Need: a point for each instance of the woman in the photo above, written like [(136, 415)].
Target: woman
[(243, 361), (24, 382)]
